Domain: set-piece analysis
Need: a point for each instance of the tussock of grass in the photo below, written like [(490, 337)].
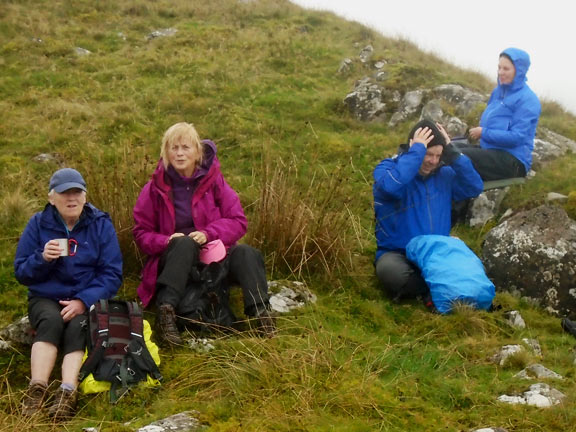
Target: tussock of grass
[(466, 321), (518, 361), (303, 224)]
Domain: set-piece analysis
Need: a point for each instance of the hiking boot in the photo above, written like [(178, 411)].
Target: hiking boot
[(33, 400), (569, 326), (166, 325), (63, 406), (266, 324)]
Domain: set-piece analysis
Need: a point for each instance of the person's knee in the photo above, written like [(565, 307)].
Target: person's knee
[(246, 254), (50, 330), (389, 271), (184, 242), (392, 272)]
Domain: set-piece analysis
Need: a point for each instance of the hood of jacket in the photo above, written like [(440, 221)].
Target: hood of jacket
[(521, 61)]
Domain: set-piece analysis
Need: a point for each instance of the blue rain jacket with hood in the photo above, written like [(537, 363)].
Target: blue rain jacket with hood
[(407, 204), (510, 119), (93, 273)]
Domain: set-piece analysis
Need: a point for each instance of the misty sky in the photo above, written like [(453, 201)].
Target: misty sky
[(473, 38)]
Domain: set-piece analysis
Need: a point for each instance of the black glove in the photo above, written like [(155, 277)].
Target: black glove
[(449, 154)]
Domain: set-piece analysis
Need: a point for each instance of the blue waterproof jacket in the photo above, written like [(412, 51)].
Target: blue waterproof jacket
[(407, 204), (510, 119), (93, 273)]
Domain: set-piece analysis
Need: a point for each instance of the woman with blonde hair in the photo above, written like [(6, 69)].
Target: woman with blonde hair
[(185, 206)]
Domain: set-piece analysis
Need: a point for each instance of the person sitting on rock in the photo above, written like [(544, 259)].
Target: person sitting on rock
[(508, 124), (69, 258), (186, 205), (413, 194)]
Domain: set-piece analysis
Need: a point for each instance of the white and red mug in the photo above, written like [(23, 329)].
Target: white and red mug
[(68, 246)]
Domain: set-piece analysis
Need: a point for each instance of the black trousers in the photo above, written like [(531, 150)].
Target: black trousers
[(45, 318), (401, 278), (492, 164), (179, 269)]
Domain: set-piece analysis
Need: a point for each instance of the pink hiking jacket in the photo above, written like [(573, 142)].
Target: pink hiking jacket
[(216, 210)]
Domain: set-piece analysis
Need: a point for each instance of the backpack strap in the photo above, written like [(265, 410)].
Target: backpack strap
[(142, 359), (137, 347), (96, 340), (120, 386)]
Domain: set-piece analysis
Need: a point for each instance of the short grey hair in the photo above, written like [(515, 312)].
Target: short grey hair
[(52, 192)]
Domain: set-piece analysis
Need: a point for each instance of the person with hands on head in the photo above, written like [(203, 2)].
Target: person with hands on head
[(413, 194), (186, 206), (508, 124), (63, 284)]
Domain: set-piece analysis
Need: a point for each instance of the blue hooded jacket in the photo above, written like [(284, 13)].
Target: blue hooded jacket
[(511, 116), (93, 273), (407, 204)]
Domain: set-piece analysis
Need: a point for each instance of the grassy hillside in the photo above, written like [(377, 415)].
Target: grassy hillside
[(260, 78)]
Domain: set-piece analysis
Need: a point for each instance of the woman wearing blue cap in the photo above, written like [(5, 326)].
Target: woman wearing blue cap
[(68, 257)]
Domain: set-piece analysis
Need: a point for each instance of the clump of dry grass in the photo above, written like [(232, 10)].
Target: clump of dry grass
[(303, 224)]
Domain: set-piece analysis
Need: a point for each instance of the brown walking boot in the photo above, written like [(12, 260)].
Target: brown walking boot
[(166, 325), (63, 406), (33, 400)]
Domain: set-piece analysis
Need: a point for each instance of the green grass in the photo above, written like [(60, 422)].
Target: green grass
[(260, 78)]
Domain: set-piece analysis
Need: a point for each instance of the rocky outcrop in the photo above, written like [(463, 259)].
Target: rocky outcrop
[(534, 253), (19, 332), (514, 319), (366, 102), (539, 372), (415, 104), (549, 145), (410, 104), (346, 66), (485, 206), (539, 395), (464, 100), (366, 53), (288, 295)]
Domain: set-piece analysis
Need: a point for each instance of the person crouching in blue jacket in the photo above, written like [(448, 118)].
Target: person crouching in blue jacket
[(69, 258), (413, 194), (508, 124)]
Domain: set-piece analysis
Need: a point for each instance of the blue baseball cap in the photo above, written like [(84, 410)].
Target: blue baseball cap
[(67, 178)]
